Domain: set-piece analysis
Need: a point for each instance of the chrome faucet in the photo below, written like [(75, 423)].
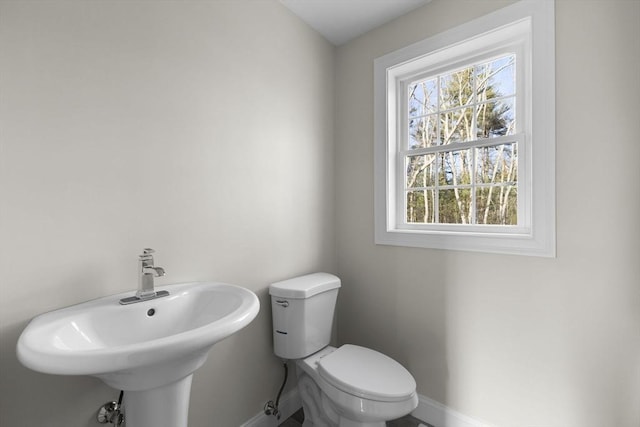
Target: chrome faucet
[(146, 273)]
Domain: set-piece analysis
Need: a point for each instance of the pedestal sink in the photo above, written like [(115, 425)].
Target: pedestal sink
[(149, 349)]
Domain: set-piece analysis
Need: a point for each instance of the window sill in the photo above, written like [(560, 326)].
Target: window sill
[(503, 243)]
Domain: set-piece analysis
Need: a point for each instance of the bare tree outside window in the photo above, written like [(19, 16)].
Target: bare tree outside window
[(458, 175)]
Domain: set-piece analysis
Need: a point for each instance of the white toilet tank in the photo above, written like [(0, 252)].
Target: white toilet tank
[(302, 310)]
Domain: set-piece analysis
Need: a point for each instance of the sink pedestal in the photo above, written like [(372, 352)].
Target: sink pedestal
[(157, 395), (162, 406)]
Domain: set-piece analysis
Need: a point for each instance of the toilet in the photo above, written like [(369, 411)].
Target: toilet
[(348, 386)]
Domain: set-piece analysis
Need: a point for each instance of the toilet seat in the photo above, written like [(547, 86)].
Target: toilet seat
[(367, 374)]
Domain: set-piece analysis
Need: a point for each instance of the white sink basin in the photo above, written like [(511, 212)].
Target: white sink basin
[(141, 346)]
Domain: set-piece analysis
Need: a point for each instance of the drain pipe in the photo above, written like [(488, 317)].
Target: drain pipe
[(111, 412), (271, 408)]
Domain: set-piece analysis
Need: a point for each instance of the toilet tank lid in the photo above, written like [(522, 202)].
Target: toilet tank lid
[(305, 286)]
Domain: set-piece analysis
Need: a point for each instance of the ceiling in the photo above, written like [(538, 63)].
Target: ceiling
[(342, 20)]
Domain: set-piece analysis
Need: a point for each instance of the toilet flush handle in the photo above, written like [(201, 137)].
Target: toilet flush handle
[(282, 302)]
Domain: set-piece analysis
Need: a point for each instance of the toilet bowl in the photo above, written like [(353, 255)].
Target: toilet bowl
[(360, 387), (349, 386)]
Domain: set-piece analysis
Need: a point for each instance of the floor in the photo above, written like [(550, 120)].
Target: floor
[(296, 421)]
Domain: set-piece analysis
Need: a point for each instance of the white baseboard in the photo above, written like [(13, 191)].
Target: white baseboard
[(289, 403), (428, 410), (439, 415)]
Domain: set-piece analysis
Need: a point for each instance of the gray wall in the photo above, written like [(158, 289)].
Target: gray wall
[(514, 341), (201, 129)]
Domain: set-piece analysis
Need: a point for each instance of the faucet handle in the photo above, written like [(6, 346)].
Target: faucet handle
[(146, 254)]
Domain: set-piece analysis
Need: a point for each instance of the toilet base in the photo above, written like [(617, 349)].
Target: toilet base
[(315, 414), (319, 412)]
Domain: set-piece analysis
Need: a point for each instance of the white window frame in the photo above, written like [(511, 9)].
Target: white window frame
[(525, 28)]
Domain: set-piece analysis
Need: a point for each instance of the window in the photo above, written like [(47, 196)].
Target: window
[(458, 151), (465, 137)]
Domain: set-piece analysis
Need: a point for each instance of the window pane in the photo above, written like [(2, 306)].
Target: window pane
[(455, 167), (497, 205), (497, 164), (456, 89), (496, 78), (423, 98), (456, 126), (454, 206), (420, 171), (420, 206), (496, 118), (422, 132)]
